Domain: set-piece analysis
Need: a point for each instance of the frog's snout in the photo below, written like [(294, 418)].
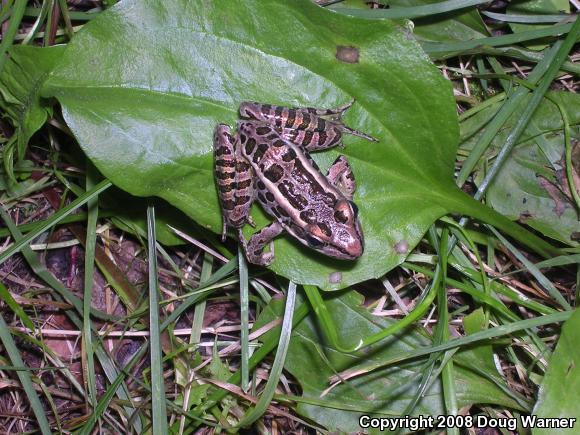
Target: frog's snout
[(355, 248)]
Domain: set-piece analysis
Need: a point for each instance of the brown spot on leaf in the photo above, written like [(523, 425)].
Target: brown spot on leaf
[(347, 54)]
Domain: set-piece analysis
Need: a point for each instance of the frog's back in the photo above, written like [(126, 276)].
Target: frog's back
[(289, 184)]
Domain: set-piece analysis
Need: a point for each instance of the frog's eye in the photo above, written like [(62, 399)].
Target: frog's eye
[(341, 216), (313, 242), (345, 211)]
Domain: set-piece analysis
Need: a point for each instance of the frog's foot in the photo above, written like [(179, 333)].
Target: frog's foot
[(336, 113), (254, 249), (333, 113), (224, 231), (344, 129), (337, 119), (341, 176)]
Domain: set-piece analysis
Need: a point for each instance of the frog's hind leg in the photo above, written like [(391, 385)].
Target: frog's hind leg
[(234, 177), (254, 249), (308, 127), (341, 176)]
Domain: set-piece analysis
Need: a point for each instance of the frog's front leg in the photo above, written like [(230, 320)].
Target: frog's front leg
[(341, 176), (234, 177), (254, 249), (304, 126)]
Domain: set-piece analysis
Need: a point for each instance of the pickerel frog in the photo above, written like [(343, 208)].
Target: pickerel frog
[(268, 160)]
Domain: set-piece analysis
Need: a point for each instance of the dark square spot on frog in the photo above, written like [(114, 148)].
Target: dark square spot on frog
[(243, 137), (225, 175), (221, 151), (242, 166), (305, 121), (227, 188), (274, 173), (250, 145), (270, 196), (325, 229), (263, 130), (308, 216), (225, 163), (259, 153), (241, 200), (307, 138), (244, 184), (291, 118), (289, 155), (282, 211)]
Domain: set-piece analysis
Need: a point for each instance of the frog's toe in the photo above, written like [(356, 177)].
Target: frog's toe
[(266, 259), (224, 231)]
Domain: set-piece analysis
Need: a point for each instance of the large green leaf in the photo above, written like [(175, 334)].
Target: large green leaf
[(384, 392), (144, 85), (560, 390)]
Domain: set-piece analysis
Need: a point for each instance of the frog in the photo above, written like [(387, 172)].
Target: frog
[(268, 160)]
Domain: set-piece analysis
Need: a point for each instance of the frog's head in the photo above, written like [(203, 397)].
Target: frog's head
[(340, 236)]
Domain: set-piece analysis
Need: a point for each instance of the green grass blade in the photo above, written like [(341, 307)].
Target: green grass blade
[(487, 334), (442, 333), (540, 18), (411, 11), (278, 365), (542, 280), (73, 15), (54, 219), (15, 307), (77, 217), (244, 318), (90, 245), (199, 310), (527, 55), (159, 410), (437, 49), (24, 376)]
